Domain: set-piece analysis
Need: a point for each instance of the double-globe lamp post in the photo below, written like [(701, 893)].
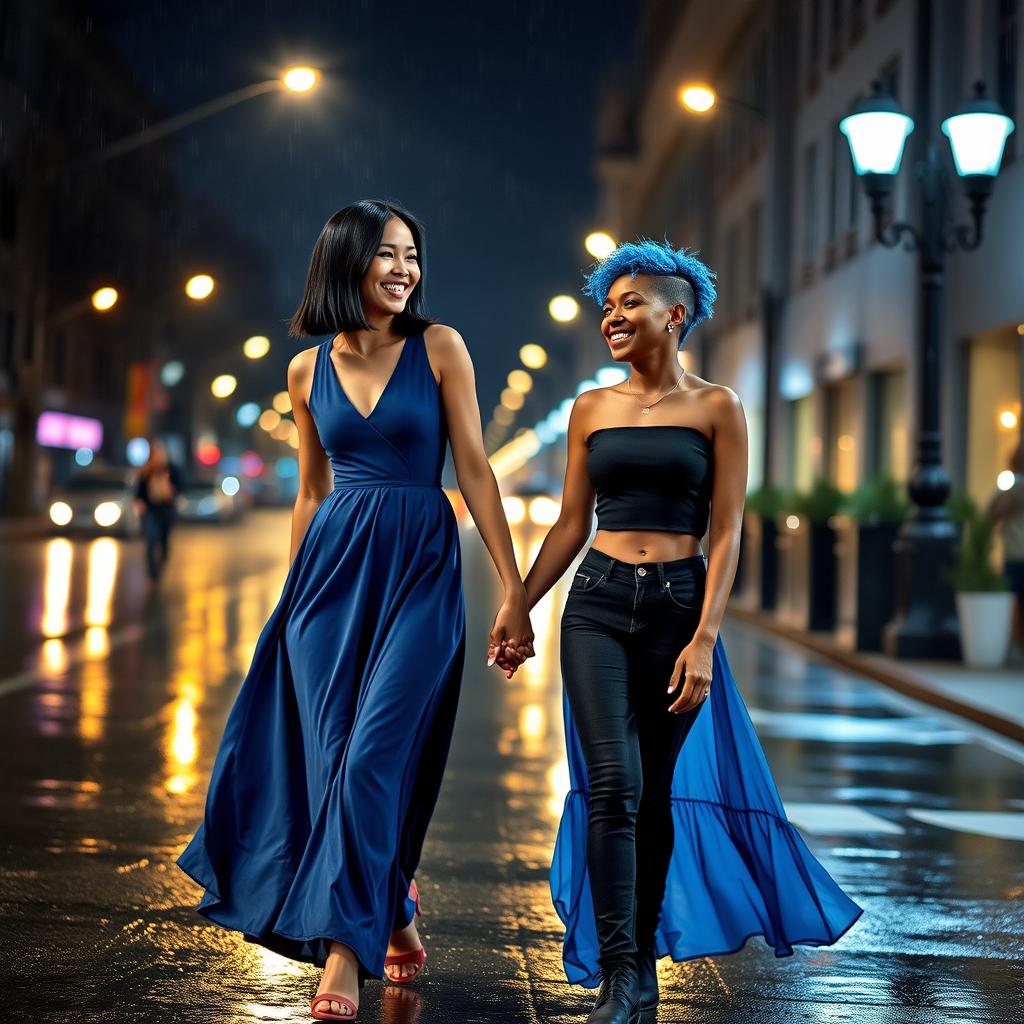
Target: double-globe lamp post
[(925, 624)]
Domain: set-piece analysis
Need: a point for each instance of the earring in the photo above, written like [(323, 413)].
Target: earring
[(670, 328)]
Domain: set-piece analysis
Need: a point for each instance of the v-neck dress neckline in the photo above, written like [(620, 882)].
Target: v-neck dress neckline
[(337, 378)]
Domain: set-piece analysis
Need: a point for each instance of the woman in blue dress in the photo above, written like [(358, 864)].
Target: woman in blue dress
[(332, 755), (664, 847)]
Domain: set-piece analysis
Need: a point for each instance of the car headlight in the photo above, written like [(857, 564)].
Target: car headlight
[(60, 513), (107, 513)]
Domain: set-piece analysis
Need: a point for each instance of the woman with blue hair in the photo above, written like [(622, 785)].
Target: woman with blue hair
[(663, 848)]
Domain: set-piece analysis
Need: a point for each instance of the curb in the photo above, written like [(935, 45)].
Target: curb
[(896, 679)]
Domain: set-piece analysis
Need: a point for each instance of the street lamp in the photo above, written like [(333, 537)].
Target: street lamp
[(300, 79), (599, 244), (293, 80), (563, 308), (532, 355), (698, 98), (104, 299), (925, 621), (223, 385), (256, 347), (520, 380), (199, 287)]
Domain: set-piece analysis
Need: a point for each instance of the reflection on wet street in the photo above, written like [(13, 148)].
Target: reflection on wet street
[(112, 700)]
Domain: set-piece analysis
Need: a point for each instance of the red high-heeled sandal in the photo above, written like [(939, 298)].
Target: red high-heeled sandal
[(327, 1014), (415, 956)]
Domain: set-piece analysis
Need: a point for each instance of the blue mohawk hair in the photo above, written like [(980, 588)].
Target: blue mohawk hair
[(645, 256)]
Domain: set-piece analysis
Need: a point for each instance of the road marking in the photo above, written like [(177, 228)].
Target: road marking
[(998, 825), (837, 820), (833, 728)]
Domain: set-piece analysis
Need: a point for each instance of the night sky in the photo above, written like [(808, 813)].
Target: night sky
[(479, 118)]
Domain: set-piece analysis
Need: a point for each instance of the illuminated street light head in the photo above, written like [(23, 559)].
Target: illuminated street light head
[(104, 299), (199, 287), (300, 79), (680, 278), (697, 97)]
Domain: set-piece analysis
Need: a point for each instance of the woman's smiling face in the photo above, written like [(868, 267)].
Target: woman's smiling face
[(635, 317), (394, 270)]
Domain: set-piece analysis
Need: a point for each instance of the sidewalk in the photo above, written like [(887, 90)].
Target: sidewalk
[(31, 527), (993, 698)]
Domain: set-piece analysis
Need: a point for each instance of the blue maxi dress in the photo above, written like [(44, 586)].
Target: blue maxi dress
[(739, 867), (332, 755)]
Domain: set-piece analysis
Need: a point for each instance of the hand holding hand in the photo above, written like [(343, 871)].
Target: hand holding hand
[(511, 638)]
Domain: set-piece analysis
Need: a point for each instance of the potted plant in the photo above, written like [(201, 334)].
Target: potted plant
[(758, 545), (808, 561), (866, 529), (984, 601)]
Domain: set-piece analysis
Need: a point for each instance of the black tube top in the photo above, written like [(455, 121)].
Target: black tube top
[(651, 478)]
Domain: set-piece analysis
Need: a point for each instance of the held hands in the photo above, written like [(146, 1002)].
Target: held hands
[(511, 639), (694, 665)]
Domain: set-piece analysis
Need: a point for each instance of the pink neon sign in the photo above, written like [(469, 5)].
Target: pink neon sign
[(62, 430)]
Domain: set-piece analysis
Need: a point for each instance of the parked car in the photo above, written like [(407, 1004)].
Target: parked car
[(99, 500), (213, 498)]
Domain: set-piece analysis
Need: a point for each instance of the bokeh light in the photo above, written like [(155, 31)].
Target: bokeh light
[(533, 356), (104, 299), (563, 308), (199, 287), (223, 385), (599, 244), (256, 347)]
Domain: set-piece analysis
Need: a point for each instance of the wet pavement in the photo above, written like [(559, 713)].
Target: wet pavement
[(112, 699)]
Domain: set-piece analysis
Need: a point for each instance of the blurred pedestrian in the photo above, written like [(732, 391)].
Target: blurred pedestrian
[(156, 493), (664, 848), (332, 756), (1005, 511)]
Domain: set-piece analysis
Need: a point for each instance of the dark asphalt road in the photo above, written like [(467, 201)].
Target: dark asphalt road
[(111, 704)]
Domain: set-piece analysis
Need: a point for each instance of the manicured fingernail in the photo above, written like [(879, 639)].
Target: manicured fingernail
[(490, 660)]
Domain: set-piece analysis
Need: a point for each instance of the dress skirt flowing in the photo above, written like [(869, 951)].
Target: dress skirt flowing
[(739, 867), (331, 760)]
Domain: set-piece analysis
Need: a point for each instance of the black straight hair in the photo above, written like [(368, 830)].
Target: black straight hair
[(331, 302)]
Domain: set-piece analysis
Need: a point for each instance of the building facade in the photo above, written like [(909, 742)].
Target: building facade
[(817, 323), (72, 221)]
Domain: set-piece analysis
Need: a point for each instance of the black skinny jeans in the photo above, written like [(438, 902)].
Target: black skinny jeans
[(623, 627)]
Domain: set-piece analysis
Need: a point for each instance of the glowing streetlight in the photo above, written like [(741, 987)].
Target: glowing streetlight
[(563, 308), (535, 357), (697, 97), (514, 507), (520, 380), (199, 287), (256, 347), (104, 299), (223, 385), (300, 79), (269, 419), (599, 244), (512, 399)]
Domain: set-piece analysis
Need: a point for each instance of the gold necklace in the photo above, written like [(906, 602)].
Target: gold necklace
[(646, 407)]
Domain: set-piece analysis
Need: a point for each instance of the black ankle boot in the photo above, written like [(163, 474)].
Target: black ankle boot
[(647, 967), (618, 999)]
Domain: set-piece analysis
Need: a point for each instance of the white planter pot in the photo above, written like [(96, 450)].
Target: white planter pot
[(984, 627)]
